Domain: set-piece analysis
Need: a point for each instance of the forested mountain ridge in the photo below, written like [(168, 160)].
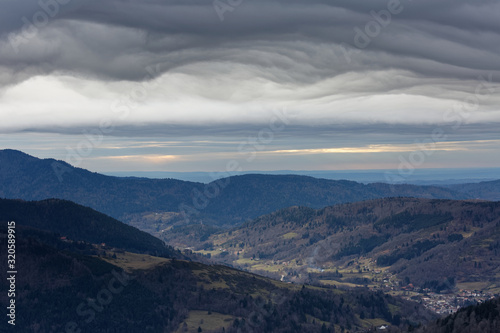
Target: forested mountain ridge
[(81, 223), (225, 202), (422, 241), (26, 177), (250, 196)]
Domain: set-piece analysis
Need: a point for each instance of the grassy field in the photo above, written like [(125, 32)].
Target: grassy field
[(338, 284), (243, 261), (133, 261), (212, 253), (268, 268), (367, 323), (207, 322), (474, 285), (290, 235), (207, 282)]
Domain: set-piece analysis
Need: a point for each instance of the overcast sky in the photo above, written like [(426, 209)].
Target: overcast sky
[(193, 85)]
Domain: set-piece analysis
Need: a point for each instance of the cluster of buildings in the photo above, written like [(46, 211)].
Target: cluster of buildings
[(451, 302), (441, 303)]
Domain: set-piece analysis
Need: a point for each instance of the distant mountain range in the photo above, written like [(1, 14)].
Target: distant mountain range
[(438, 177), (225, 202)]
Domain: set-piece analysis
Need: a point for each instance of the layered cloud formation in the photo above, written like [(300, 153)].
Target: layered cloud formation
[(361, 72)]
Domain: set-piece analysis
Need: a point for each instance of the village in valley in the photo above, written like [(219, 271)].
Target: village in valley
[(351, 275), (445, 302)]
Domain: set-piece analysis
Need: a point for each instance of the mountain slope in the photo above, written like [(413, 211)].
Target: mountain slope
[(423, 241), (65, 291), (80, 224), (225, 202)]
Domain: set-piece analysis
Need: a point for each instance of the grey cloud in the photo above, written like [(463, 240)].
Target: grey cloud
[(456, 37), (341, 134), (433, 49)]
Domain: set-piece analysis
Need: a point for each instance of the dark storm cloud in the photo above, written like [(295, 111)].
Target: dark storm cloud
[(450, 39)]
